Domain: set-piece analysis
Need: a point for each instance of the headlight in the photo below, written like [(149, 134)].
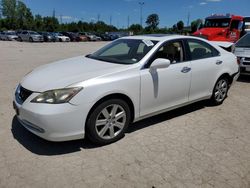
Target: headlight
[(57, 96)]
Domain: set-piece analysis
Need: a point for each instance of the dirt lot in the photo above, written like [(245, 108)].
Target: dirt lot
[(195, 146)]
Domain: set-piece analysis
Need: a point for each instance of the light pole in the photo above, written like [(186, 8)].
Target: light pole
[(141, 6)]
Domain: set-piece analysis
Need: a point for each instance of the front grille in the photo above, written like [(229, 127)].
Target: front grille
[(22, 94), (247, 58), (246, 63)]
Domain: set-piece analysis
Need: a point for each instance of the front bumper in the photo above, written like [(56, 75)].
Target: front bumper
[(244, 65), (53, 122), (37, 39)]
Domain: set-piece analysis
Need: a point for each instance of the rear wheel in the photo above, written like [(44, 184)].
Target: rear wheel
[(108, 121), (31, 39), (220, 91)]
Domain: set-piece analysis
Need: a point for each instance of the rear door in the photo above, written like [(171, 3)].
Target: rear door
[(205, 63)]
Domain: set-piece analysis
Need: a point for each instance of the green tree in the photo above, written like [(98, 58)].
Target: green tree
[(38, 23), (136, 28), (195, 24), (24, 16), (9, 12), (180, 25), (153, 21), (51, 24)]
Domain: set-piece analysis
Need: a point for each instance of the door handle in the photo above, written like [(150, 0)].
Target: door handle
[(218, 62), (186, 69)]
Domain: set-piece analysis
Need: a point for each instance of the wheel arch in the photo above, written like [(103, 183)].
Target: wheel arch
[(115, 96), (226, 75)]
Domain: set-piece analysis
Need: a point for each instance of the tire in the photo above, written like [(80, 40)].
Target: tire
[(30, 39), (60, 40), (220, 91), (103, 127), (20, 39)]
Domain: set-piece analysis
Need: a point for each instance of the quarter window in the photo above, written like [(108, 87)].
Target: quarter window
[(201, 50)]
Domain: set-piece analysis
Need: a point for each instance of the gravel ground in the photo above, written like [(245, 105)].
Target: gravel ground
[(195, 146)]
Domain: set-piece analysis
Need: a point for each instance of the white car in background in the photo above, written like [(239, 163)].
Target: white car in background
[(61, 38), (242, 51), (128, 80)]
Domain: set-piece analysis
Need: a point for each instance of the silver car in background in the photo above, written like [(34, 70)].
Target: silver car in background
[(30, 36), (242, 51), (9, 35)]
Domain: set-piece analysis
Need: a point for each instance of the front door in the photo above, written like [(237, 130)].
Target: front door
[(166, 87)]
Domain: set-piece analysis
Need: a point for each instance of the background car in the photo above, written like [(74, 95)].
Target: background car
[(73, 36), (30, 36), (105, 37), (1, 35), (9, 35), (60, 37), (91, 36), (242, 51), (130, 79), (48, 37), (83, 37)]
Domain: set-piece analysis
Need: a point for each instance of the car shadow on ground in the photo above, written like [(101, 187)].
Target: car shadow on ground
[(244, 78), (40, 146)]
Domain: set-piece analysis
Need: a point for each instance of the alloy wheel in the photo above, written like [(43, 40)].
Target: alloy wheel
[(221, 90), (110, 121)]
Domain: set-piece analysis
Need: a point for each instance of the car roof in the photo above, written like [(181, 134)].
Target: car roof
[(160, 37)]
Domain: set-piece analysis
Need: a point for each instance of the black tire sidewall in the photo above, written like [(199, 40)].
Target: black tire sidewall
[(90, 123)]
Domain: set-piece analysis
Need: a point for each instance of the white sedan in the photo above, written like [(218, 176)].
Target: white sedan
[(61, 38), (130, 79)]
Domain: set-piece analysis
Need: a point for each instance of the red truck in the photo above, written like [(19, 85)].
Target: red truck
[(227, 28)]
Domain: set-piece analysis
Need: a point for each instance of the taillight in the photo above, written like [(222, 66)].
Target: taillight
[(238, 60)]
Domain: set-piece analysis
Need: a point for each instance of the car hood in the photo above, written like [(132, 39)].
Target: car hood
[(209, 31), (67, 72), (36, 35)]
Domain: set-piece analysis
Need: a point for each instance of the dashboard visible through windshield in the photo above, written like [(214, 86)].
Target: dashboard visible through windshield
[(124, 51)]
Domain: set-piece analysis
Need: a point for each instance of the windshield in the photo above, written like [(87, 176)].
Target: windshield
[(217, 22), (33, 33), (124, 51), (244, 41), (11, 33)]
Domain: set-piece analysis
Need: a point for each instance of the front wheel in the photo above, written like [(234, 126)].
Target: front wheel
[(220, 91), (108, 121)]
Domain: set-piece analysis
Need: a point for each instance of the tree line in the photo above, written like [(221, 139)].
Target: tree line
[(15, 15)]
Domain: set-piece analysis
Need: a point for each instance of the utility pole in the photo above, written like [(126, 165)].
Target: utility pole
[(54, 13), (188, 18), (128, 21), (98, 17), (141, 7), (61, 18), (110, 20)]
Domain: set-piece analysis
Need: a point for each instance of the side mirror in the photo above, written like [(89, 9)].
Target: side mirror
[(160, 63)]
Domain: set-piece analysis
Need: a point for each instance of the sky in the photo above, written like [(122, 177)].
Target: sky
[(124, 12)]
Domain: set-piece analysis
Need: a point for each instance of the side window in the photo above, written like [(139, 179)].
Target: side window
[(25, 33), (172, 51), (201, 50), (235, 24)]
